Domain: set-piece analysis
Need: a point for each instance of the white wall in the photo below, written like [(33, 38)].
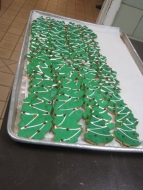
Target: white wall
[(130, 18)]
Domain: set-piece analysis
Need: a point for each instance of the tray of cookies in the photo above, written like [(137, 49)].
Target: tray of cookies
[(77, 85)]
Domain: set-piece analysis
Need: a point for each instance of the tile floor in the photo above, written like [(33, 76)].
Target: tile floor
[(13, 19)]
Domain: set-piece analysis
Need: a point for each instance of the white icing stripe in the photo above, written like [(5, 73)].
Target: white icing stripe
[(56, 68), (73, 111), (123, 116), (105, 91), (30, 113), (124, 113), (67, 109), (38, 109), (121, 110), (40, 70), (106, 75), (131, 123), (70, 129), (72, 136), (40, 92), (62, 66), (99, 133), (127, 135), (37, 132), (47, 100), (111, 107), (102, 111), (131, 130), (37, 83), (46, 89), (90, 70), (101, 65), (23, 128), (62, 100), (92, 74), (64, 103), (116, 97), (109, 81), (62, 121), (30, 121), (93, 88), (49, 78), (98, 120), (100, 127), (114, 101), (68, 82), (92, 93), (108, 89), (38, 103)]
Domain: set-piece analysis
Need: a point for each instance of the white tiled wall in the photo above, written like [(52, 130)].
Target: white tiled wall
[(135, 3), (130, 18)]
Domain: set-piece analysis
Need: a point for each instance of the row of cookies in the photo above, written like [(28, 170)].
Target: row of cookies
[(101, 98), (36, 117), (43, 74), (67, 72)]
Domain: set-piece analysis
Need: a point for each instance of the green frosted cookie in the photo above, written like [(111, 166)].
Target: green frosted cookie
[(68, 106), (66, 134), (46, 92), (98, 131), (37, 106), (71, 92), (103, 112), (74, 84), (127, 137), (34, 126), (113, 102), (123, 113), (35, 118)]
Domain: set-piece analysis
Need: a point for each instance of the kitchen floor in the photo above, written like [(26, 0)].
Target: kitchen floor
[(13, 18)]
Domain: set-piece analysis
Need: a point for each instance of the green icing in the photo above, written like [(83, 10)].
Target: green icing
[(98, 131), (37, 107), (67, 120), (127, 137), (99, 126), (66, 134), (34, 127), (98, 138), (74, 84), (87, 113), (45, 93), (126, 126), (67, 113), (71, 92), (102, 111), (35, 118), (67, 72)]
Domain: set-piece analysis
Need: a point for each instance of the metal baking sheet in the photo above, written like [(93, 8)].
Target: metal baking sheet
[(19, 88)]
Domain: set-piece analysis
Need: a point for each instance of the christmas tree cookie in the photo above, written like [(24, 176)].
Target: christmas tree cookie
[(35, 118), (125, 132)]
